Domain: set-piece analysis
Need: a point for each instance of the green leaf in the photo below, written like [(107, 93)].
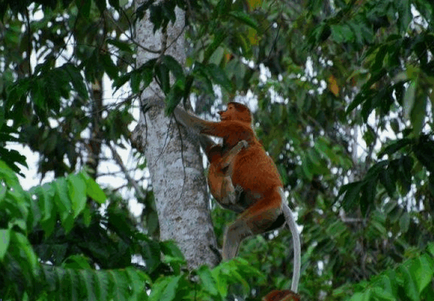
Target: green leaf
[(405, 15), (305, 166), (77, 193), (3, 191), (137, 281), (8, 175), (368, 194), (222, 8), (168, 8), (409, 97), (404, 173), (159, 287), (11, 157), (430, 248), (244, 18), (103, 285), (422, 269), (63, 203), (375, 170), (369, 135), (357, 297), (382, 294), (121, 45), (136, 79), (45, 195), (418, 114), (342, 33), (394, 147), (200, 73), (162, 74), (26, 249), (109, 66), (404, 222), (119, 282), (175, 96), (61, 198), (5, 236), (169, 292), (84, 7), (174, 66), (206, 278), (93, 190), (387, 179), (219, 37), (89, 282), (359, 99), (424, 150), (352, 194), (121, 80), (76, 80), (410, 286), (219, 76), (379, 58), (114, 3), (101, 4)]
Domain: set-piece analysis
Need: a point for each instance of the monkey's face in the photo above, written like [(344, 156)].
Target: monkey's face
[(236, 111)]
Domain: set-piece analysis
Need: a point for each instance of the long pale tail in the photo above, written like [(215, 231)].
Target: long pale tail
[(289, 216)]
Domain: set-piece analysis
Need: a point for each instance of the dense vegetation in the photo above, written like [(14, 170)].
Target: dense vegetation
[(345, 103)]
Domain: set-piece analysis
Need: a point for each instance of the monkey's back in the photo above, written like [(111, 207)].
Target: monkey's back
[(255, 171)]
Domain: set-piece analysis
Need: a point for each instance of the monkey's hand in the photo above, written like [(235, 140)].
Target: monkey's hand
[(243, 144), (238, 190)]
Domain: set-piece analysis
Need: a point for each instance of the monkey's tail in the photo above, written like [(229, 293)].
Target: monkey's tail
[(289, 216)]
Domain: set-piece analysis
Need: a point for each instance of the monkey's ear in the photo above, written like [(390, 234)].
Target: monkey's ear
[(281, 295)]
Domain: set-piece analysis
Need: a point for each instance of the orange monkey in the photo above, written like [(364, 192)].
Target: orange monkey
[(262, 201)]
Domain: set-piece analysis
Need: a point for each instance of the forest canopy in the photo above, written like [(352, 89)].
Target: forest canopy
[(343, 102)]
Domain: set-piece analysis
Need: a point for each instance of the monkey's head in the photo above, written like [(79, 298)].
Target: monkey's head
[(236, 111)]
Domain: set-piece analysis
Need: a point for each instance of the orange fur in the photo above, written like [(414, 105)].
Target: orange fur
[(251, 171)]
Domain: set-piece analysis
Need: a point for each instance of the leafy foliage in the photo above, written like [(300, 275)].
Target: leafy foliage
[(344, 107)]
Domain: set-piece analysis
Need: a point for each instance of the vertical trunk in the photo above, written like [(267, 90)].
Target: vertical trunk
[(173, 159), (96, 134)]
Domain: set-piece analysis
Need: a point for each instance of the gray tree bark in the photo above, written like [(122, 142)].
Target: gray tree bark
[(173, 158)]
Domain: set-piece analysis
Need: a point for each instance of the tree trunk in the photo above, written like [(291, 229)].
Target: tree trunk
[(173, 158)]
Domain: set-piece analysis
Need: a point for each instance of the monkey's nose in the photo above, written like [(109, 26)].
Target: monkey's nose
[(220, 112)]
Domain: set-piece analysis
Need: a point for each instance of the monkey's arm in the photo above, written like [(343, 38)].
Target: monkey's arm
[(230, 156), (217, 129), (206, 143), (190, 121)]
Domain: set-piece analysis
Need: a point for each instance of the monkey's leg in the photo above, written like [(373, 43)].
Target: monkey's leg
[(234, 234), (255, 220), (228, 195)]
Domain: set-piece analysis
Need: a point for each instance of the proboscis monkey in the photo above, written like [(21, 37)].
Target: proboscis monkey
[(262, 203)]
